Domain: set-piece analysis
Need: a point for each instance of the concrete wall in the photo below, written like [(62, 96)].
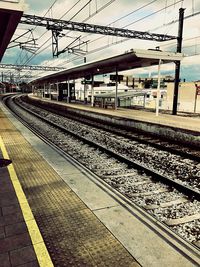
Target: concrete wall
[(186, 99)]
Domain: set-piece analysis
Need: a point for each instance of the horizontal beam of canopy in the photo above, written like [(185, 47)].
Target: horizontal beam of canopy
[(137, 58)]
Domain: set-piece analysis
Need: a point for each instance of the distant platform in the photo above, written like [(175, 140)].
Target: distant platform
[(175, 127)]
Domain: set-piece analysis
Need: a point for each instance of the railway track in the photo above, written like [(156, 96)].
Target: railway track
[(182, 169), (178, 148), (172, 201)]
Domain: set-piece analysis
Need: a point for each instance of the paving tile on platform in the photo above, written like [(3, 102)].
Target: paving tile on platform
[(4, 260), (30, 264), (12, 209), (2, 232), (15, 229), (6, 187), (22, 256), (11, 218), (8, 198), (14, 242)]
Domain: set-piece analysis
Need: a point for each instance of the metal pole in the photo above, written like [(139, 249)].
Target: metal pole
[(92, 91), (84, 91), (158, 88), (177, 63), (43, 95), (74, 82), (144, 100), (116, 89), (57, 90), (68, 91), (195, 99), (49, 91)]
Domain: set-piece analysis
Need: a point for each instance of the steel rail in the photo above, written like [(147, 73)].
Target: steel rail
[(172, 238), (113, 129), (190, 192)]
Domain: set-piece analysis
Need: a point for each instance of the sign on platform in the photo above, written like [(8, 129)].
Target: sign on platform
[(197, 89)]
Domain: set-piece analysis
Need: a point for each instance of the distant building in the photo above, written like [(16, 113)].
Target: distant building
[(132, 91), (188, 97), (2, 88)]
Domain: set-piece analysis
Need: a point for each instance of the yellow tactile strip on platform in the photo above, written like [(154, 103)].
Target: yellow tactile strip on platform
[(36, 238), (72, 233)]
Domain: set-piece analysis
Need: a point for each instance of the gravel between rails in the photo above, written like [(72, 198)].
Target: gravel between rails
[(115, 172), (181, 169)]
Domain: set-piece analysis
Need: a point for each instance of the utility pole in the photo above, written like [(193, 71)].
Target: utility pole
[(116, 89), (177, 63)]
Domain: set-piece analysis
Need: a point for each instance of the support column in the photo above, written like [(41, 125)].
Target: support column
[(74, 82), (92, 91), (197, 91), (116, 90), (158, 89), (144, 100), (57, 88), (133, 83), (68, 91), (43, 94), (49, 91), (84, 91), (177, 63)]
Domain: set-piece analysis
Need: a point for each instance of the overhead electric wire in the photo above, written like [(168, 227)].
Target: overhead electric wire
[(106, 46), (69, 9), (100, 9), (175, 21), (80, 9), (152, 13), (132, 12), (93, 14), (107, 4), (143, 6), (50, 37), (36, 27), (124, 40), (100, 48)]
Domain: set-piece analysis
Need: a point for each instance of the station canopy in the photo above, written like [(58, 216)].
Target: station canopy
[(10, 15), (136, 58)]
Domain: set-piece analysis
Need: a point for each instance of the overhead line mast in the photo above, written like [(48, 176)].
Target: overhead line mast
[(30, 67), (59, 25)]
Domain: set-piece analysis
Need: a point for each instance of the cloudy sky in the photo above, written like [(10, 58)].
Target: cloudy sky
[(157, 16)]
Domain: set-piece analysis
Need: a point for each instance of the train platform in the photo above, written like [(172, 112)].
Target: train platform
[(181, 127), (53, 213), (191, 123), (184, 121)]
